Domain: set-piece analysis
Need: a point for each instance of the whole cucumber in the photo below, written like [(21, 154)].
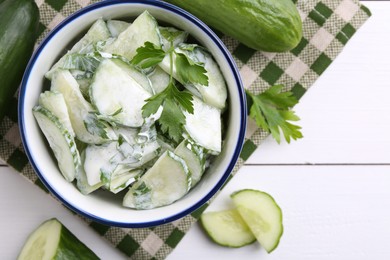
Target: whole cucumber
[(266, 25), (19, 21)]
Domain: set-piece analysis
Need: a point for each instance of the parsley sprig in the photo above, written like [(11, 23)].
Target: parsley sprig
[(272, 112), (173, 101)]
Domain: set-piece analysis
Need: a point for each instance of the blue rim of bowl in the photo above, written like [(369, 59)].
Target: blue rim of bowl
[(228, 58)]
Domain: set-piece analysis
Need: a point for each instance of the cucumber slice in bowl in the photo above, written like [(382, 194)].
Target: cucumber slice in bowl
[(227, 228), (52, 240), (262, 214), (61, 142)]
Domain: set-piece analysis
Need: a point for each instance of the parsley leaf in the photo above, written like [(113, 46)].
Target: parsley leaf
[(190, 71), (173, 102), (271, 111), (148, 56)]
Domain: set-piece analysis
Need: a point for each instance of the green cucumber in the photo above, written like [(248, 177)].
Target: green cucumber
[(204, 126), (143, 29), (227, 228), (61, 142), (55, 102), (267, 25), (167, 181), (194, 156), (116, 27), (52, 240), (98, 32), (117, 95), (19, 21), (262, 214), (80, 111)]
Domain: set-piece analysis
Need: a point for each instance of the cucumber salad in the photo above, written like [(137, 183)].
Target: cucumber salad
[(134, 109)]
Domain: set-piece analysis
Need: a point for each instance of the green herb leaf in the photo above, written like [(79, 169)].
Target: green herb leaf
[(174, 102), (271, 111), (190, 71), (172, 120), (148, 56)]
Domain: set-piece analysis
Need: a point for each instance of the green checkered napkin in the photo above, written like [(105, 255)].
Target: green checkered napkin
[(328, 26)]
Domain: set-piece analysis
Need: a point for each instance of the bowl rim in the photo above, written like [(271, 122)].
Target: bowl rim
[(232, 66)]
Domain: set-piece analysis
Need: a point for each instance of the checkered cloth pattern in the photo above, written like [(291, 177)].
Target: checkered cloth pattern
[(327, 26)]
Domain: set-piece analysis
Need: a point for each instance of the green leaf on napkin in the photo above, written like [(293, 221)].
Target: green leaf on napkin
[(272, 112)]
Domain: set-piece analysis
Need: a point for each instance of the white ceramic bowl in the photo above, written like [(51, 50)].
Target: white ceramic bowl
[(102, 206)]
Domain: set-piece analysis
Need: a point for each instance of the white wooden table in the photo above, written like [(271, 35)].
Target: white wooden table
[(333, 186)]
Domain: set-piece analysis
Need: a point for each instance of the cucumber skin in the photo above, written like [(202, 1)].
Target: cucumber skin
[(19, 20), (70, 247), (266, 25)]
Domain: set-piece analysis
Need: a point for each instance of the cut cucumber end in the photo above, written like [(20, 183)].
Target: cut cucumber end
[(52, 240), (227, 228), (262, 214)]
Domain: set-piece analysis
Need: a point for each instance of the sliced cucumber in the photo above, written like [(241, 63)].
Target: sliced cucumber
[(79, 109), (262, 214), (227, 228), (215, 94), (97, 32), (167, 181), (55, 102), (172, 37), (116, 27), (120, 182), (204, 126), (143, 29), (193, 155), (98, 159), (52, 240), (137, 75), (159, 79), (82, 180), (117, 95), (61, 142)]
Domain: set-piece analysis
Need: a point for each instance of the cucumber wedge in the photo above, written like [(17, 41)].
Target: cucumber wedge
[(52, 240), (61, 142), (194, 157), (227, 228), (82, 181), (119, 182), (172, 37), (159, 80), (143, 29), (97, 32), (79, 109), (116, 27), (137, 75), (262, 214), (204, 126), (167, 181), (55, 102), (117, 95), (98, 159)]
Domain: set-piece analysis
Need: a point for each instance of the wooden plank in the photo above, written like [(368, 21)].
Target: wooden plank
[(330, 212)]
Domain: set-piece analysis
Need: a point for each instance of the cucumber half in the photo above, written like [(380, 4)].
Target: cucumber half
[(52, 240), (262, 214), (227, 228)]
